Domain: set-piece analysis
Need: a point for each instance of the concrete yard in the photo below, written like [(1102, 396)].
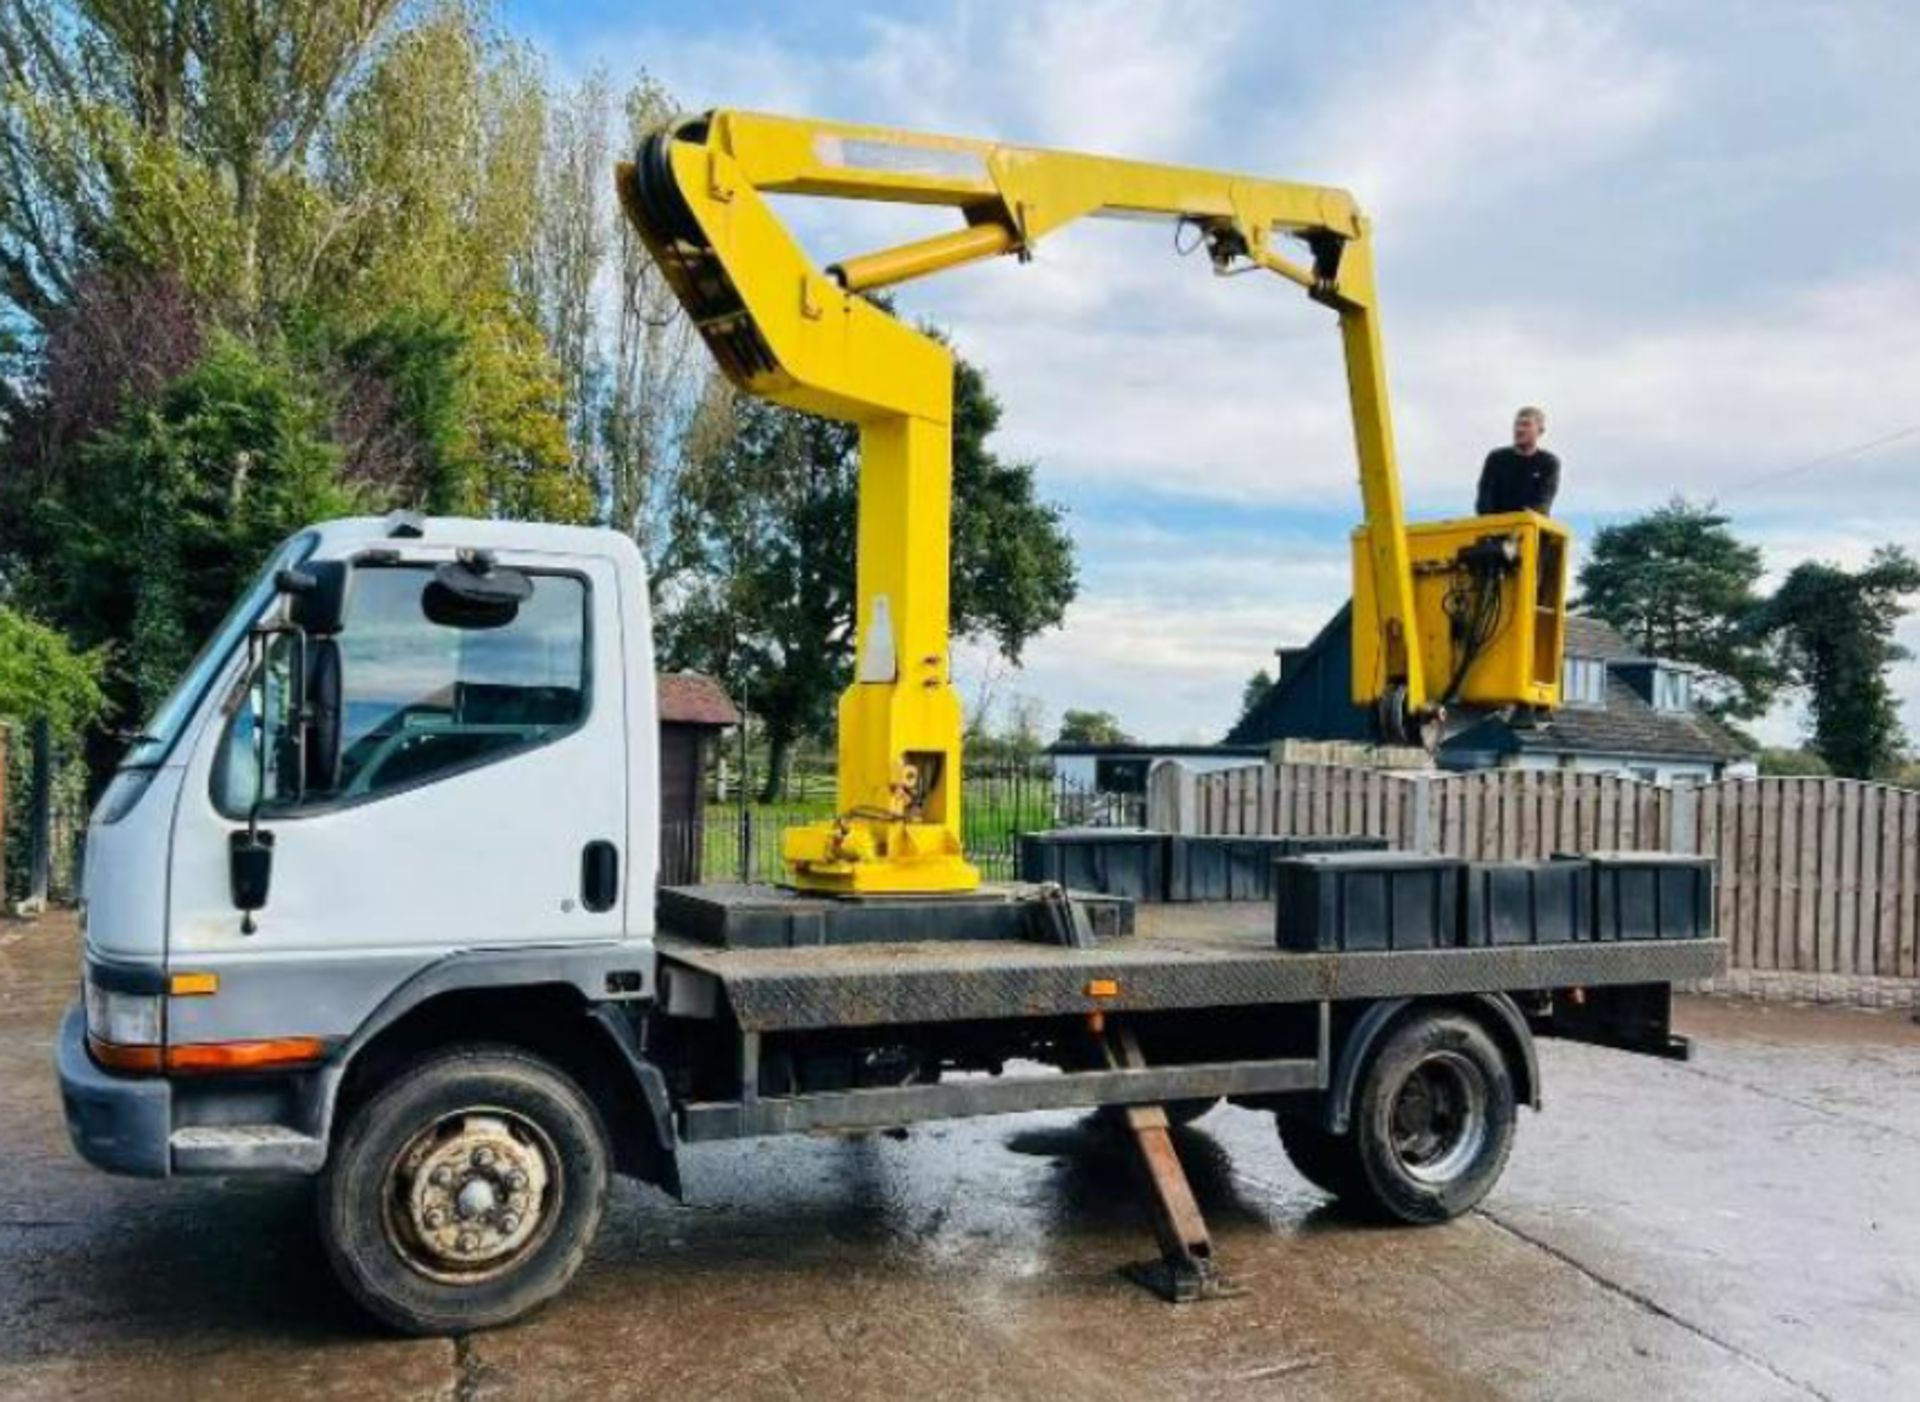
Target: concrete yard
[(1743, 1226)]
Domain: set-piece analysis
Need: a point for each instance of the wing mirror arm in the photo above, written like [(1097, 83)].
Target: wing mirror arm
[(250, 851)]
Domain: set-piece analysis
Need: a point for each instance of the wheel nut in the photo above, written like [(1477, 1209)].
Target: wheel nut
[(482, 1156), (509, 1224), (516, 1180), (442, 1177), (435, 1219), (469, 1242)]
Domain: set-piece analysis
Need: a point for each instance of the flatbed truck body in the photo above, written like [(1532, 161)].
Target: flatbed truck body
[(375, 900), (1182, 961)]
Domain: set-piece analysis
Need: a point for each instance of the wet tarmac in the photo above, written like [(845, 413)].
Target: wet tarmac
[(1739, 1227)]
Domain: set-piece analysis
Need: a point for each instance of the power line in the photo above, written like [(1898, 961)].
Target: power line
[(1836, 456)]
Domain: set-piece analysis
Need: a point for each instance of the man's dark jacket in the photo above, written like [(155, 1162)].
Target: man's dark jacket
[(1516, 481)]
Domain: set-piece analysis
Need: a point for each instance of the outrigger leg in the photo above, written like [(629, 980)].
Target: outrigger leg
[(1185, 1271)]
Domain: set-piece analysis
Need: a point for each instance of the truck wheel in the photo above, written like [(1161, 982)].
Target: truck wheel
[(466, 1193), (1432, 1122), (1323, 1158)]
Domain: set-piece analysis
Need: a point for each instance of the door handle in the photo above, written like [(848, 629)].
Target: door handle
[(599, 875)]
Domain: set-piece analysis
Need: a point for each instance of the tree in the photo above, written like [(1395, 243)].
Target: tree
[(44, 681), (759, 566), (763, 550), (1017, 740), (1792, 764), (1254, 692), (169, 135), (1680, 585), (1013, 570), (315, 219), (458, 416), (43, 678), (429, 182), (181, 500), (1091, 728), (1835, 629)]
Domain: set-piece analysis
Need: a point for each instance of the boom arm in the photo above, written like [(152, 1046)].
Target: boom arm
[(785, 329)]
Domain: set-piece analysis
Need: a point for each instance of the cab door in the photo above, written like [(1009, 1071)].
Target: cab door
[(480, 799)]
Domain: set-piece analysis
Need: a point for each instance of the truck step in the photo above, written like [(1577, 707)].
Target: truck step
[(243, 1148)]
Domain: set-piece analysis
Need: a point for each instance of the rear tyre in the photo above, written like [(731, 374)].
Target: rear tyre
[(465, 1194), (1432, 1122), (1323, 1158)]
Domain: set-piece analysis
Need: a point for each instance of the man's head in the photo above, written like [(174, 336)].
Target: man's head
[(1528, 424)]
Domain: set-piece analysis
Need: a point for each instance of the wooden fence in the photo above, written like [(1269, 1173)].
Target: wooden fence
[(1815, 876)]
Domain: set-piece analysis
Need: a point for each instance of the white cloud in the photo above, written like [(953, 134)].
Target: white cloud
[(1123, 77), (1167, 634), (1480, 99), (1463, 128)]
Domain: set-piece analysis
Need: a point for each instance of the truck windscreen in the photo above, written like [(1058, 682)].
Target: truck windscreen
[(156, 738)]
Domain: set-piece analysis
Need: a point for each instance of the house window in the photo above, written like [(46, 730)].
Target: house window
[(1583, 682), (1672, 690), (1127, 776)]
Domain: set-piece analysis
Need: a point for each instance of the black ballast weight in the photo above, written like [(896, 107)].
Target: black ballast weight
[(1349, 902), (1651, 895), (1240, 868), (1127, 862), (1157, 866), (1511, 903), (1384, 901)]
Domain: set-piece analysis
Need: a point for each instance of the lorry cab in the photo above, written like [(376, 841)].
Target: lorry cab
[(415, 749)]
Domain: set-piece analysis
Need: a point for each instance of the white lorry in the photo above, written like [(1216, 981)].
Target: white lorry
[(374, 899)]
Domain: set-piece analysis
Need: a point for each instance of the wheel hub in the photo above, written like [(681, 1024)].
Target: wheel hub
[(471, 1193), (1439, 1119)]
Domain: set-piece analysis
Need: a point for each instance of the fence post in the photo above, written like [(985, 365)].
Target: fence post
[(1423, 813), (1682, 810), (745, 800), (1171, 797), (40, 819)]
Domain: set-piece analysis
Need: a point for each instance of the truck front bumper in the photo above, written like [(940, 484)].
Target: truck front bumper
[(122, 1124)]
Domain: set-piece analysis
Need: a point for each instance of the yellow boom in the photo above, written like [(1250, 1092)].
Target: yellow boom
[(803, 336)]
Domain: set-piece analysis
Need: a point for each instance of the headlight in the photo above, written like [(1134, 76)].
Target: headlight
[(124, 1029)]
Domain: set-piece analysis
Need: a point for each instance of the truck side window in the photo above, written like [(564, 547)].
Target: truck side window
[(420, 697)]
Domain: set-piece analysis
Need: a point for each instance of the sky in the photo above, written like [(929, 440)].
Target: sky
[(1690, 232)]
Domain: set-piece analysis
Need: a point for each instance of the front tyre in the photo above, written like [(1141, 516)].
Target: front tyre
[(466, 1193)]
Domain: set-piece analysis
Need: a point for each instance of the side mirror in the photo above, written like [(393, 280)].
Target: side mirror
[(249, 871), (324, 686), (317, 595)]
